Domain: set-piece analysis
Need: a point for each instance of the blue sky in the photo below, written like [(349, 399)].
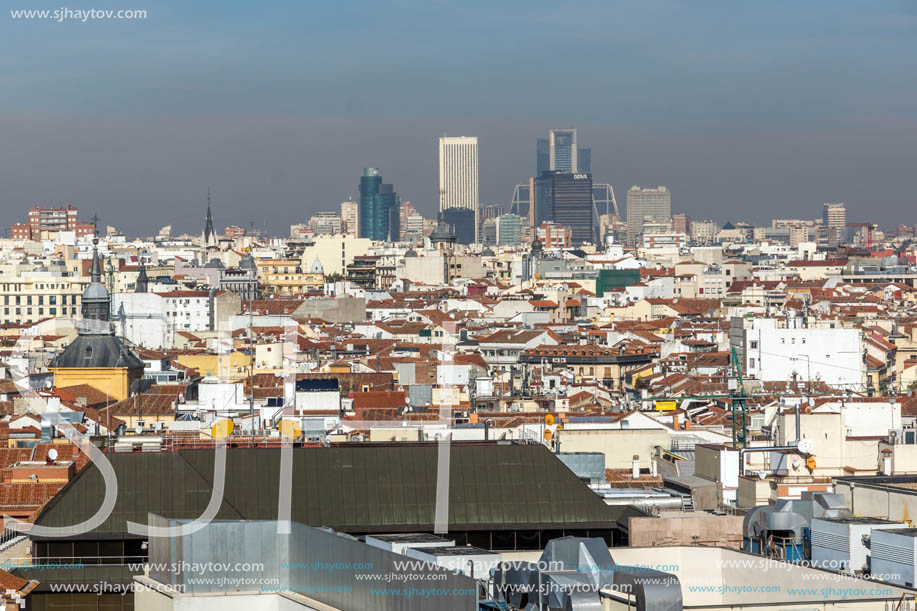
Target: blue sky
[(745, 110)]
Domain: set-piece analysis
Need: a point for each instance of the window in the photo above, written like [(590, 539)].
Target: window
[(754, 344)]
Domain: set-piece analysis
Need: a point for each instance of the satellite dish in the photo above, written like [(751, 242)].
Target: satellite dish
[(290, 428), (222, 428), (52, 454)]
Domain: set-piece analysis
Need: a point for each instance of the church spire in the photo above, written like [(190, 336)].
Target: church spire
[(95, 299), (95, 271), (209, 234), (142, 279)]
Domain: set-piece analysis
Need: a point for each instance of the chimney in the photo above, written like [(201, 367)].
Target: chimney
[(635, 467)]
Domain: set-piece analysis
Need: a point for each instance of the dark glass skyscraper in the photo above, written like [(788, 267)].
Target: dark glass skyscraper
[(566, 198), (584, 161), (462, 219), (379, 219), (543, 198), (573, 205), (543, 156)]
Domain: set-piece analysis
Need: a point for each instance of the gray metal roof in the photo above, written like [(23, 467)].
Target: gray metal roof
[(359, 488), (96, 350)]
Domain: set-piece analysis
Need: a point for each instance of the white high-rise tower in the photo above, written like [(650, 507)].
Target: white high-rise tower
[(458, 174)]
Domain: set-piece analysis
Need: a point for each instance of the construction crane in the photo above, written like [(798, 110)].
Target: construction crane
[(739, 408)]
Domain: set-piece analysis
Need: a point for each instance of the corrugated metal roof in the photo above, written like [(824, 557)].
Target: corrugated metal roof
[(353, 488)]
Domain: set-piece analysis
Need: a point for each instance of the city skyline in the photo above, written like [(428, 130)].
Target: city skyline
[(155, 128), (291, 318)]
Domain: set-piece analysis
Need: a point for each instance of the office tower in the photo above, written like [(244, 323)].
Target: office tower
[(566, 198), (834, 217), (378, 216), (542, 156), (542, 199), (509, 229), (463, 224), (457, 163), (584, 161), (652, 204), (563, 150), (350, 214), (573, 205), (603, 197)]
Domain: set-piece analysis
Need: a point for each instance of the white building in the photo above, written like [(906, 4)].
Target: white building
[(458, 173), (771, 351), (151, 320)]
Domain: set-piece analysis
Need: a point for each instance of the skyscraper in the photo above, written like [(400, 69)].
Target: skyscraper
[(542, 156), (542, 197), (834, 217), (457, 163), (566, 198), (573, 205), (378, 216), (583, 161), (653, 204), (563, 150)]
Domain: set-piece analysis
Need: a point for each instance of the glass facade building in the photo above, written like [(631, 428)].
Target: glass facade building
[(573, 205), (379, 217)]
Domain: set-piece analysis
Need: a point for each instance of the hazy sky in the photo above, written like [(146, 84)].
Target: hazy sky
[(744, 110)]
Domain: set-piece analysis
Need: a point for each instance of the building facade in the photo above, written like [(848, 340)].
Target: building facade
[(572, 203), (654, 204), (378, 216), (555, 235), (50, 221), (834, 218), (563, 151), (350, 215), (457, 163), (326, 223)]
